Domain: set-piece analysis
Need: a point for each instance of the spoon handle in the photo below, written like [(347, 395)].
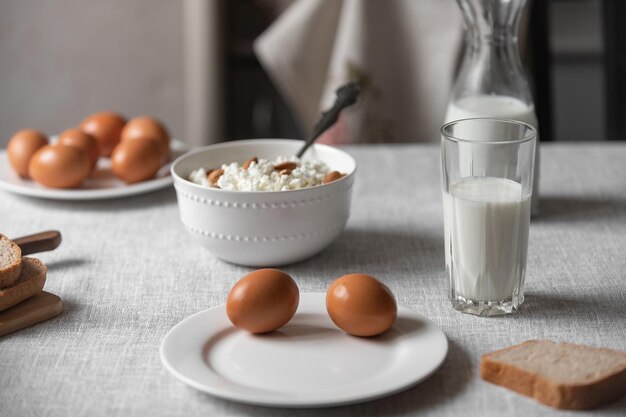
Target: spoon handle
[(39, 242), (347, 95)]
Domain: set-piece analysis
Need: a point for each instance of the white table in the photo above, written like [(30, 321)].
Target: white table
[(128, 272)]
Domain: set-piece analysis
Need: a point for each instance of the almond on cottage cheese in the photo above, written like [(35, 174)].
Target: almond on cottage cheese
[(258, 174)]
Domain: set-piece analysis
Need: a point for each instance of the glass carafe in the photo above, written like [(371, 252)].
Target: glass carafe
[(491, 80)]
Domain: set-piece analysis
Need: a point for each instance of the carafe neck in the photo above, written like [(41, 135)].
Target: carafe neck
[(491, 63), (491, 22)]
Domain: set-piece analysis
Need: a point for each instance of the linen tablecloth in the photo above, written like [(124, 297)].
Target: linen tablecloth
[(127, 272)]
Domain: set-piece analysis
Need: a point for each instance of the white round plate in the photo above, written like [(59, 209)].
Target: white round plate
[(101, 185), (307, 363)]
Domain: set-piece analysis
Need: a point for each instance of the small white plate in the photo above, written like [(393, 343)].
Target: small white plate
[(101, 185), (307, 363)]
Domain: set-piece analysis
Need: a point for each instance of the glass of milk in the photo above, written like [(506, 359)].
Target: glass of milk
[(487, 168)]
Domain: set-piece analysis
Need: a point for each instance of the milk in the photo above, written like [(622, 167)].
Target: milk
[(487, 221), (499, 107), (481, 162)]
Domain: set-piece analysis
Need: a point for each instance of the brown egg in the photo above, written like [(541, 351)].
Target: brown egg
[(106, 128), (22, 147), (136, 160), (361, 305), (263, 301), (82, 140), (59, 166), (148, 128)]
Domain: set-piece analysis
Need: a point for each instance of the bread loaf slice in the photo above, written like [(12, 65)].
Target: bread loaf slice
[(561, 375), (10, 261), (30, 282)]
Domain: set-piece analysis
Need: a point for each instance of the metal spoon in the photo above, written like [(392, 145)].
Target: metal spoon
[(347, 95)]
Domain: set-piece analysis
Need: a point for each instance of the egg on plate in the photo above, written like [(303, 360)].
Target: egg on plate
[(263, 301)]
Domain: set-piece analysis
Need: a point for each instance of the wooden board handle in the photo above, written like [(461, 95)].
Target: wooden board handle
[(39, 242)]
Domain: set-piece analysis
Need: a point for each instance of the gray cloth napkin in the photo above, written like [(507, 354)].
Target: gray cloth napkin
[(403, 51)]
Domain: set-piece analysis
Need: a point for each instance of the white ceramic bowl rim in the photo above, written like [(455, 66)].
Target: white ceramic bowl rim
[(193, 152)]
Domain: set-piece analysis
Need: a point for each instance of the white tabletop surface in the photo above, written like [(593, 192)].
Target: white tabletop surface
[(128, 272)]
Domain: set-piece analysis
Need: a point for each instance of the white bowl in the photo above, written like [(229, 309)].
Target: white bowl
[(263, 228)]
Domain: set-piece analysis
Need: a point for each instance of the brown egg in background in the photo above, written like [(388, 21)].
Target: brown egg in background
[(263, 301), (106, 127), (82, 140), (136, 160), (59, 166), (361, 305), (21, 148), (145, 127)]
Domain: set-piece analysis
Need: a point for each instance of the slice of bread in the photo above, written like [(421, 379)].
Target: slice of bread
[(10, 261), (561, 375), (29, 283)]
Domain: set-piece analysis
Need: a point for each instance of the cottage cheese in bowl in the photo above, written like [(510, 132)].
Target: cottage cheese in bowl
[(268, 212), (265, 175)]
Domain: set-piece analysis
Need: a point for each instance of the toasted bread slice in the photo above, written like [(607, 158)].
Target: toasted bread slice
[(561, 375), (10, 261), (29, 283)]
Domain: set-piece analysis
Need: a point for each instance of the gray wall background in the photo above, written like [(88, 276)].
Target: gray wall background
[(61, 60), (578, 91)]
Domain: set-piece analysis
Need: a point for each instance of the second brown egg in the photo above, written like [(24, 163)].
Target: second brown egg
[(136, 160), (361, 305), (144, 127)]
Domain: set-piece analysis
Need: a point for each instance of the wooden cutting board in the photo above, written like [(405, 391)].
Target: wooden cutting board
[(36, 309)]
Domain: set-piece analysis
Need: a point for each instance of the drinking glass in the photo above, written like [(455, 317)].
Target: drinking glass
[(487, 180)]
